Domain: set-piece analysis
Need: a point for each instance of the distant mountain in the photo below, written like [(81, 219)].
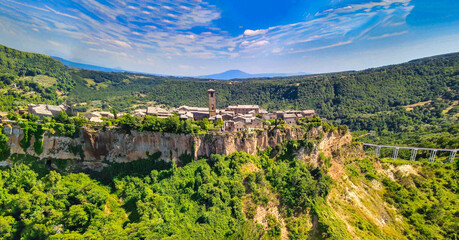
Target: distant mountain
[(87, 66), (232, 74)]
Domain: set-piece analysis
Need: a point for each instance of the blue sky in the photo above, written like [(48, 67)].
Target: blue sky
[(197, 37)]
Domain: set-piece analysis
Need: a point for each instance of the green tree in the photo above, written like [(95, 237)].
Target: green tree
[(4, 148)]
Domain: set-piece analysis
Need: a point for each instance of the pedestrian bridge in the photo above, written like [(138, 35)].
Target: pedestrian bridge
[(414, 151)]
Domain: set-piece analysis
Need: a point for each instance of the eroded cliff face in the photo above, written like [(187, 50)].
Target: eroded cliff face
[(95, 148)]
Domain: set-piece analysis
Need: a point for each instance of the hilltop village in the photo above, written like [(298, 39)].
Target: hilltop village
[(234, 118)]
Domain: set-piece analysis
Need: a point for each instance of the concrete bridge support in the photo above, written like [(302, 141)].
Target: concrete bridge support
[(433, 151), (432, 156), (413, 154), (395, 153), (378, 151), (452, 156)]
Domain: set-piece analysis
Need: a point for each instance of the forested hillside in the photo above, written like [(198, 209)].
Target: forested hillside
[(271, 195), (333, 95), (31, 78)]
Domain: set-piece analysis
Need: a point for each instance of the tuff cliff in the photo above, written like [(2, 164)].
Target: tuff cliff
[(92, 149)]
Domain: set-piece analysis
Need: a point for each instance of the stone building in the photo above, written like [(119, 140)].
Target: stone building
[(232, 126), (212, 103), (45, 110), (290, 118), (244, 109), (158, 112)]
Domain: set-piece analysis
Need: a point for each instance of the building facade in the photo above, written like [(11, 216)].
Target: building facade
[(212, 103)]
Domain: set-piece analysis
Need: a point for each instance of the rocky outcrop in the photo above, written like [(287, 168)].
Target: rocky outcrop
[(93, 148)]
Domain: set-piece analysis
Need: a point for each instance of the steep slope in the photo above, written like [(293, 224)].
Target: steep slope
[(31, 78), (318, 187)]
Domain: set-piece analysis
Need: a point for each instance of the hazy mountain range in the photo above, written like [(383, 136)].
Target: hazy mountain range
[(87, 66), (230, 74)]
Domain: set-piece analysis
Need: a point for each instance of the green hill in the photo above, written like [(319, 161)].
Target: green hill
[(274, 194), (31, 78)]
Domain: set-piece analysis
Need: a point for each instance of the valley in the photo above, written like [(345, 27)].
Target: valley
[(64, 176)]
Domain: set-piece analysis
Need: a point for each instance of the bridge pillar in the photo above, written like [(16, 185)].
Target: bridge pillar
[(432, 155), (378, 151), (413, 154), (452, 156), (395, 153)]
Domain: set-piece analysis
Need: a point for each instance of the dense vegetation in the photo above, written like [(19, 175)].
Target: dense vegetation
[(424, 194), (425, 126), (203, 199), (335, 96), (172, 124), (219, 197), (428, 200)]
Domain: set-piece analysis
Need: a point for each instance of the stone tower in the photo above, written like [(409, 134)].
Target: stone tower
[(212, 105)]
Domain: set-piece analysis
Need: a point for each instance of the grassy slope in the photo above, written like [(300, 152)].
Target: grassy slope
[(374, 199)]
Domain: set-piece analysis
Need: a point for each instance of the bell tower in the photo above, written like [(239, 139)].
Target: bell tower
[(212, 105)]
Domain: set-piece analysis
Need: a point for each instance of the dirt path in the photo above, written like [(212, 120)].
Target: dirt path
[(451, 107)]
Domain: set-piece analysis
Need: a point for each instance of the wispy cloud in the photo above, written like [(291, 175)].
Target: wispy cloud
[(386, 35), (61, 14), (56, 44), (164, 29), (323, 47), (254, 43), (103, 50)]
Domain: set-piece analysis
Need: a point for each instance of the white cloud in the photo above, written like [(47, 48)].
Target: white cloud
[(62, 14), (250, 33), (387, 35), (166, 32), (323, 47), (122, 44), (103, 50), (276, 50), (56, 44), (254, 43)]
